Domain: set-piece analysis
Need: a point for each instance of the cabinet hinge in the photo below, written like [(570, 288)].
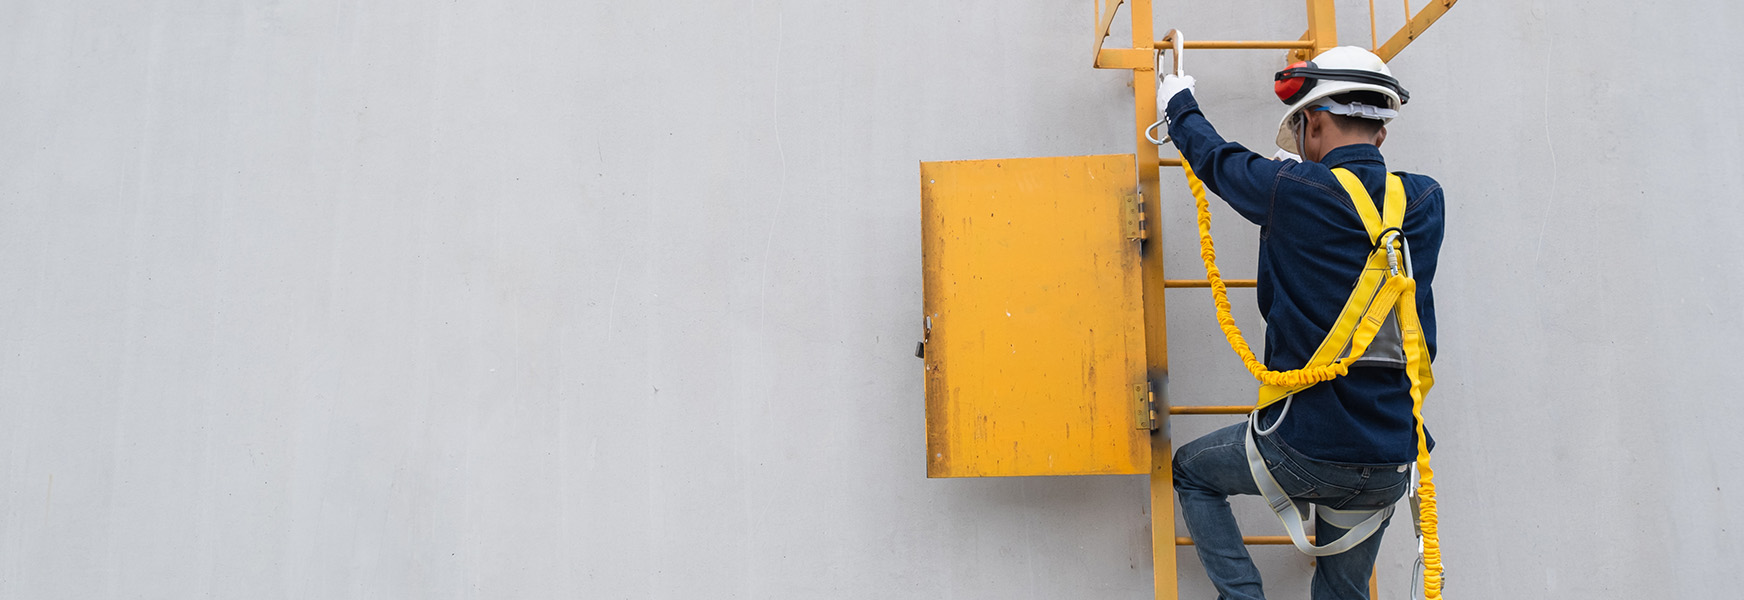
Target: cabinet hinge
[(1144, 406), (1132, 216)]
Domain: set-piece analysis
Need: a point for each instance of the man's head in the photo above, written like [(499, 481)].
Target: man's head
[(1337, 121), (1344, 95)]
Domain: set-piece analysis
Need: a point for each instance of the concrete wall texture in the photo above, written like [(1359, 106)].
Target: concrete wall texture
[(549, 299)]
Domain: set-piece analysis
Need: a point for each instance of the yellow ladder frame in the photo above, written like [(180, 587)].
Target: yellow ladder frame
[(1141, 59)]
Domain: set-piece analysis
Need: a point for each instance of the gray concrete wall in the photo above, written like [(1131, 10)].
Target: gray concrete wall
[(544, 299)]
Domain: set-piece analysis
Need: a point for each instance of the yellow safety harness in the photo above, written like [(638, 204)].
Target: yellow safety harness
[(1384, 288)]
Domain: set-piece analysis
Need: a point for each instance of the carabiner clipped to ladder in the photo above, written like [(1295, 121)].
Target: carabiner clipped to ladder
[(1174, 37)]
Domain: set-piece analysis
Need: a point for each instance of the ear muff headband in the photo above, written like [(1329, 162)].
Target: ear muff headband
[(1294, 83)]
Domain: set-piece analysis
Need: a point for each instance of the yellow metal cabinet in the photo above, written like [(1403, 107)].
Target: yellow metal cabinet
[(1035, 347)]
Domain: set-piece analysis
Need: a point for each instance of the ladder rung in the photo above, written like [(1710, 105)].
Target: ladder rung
[(1165, 44), (1251, 540), (1210, 410), (1168, 162), (1205, 283)]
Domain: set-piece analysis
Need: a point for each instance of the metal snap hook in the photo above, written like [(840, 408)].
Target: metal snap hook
[(1386, 242), (1174, 37)]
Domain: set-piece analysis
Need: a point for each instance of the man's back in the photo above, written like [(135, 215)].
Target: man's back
[(1311, 254), (1312, 247)]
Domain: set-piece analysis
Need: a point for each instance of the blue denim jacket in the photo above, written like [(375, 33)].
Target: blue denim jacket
[(1312, 248)]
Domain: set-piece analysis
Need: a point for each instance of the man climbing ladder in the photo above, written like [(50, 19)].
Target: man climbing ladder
[(1347, 255)]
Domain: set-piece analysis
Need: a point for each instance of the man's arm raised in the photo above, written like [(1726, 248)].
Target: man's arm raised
[(1244, 179)]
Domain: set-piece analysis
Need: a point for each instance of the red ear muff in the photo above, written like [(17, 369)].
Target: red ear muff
[(1291, 85)]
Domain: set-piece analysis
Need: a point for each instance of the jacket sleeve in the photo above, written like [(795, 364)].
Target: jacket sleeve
[(1244, 179), (1425, 226)]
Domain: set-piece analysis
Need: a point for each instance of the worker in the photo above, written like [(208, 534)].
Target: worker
[(1347, 443)]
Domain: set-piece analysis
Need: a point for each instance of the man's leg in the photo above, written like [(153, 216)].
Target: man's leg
[(1207, 471), (1344, 576)]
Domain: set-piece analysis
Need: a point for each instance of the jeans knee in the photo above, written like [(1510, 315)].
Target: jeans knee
[(1185, 480), (1182, 477)]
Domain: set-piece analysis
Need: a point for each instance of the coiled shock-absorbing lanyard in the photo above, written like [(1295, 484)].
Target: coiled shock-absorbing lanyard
[(1383, 288)]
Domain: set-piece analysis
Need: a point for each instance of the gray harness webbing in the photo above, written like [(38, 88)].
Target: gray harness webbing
[(1292, 513)]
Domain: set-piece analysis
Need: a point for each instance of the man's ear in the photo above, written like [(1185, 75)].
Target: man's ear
[(1381, 136)]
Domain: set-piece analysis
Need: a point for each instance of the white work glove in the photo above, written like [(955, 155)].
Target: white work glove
[(1172, 84)]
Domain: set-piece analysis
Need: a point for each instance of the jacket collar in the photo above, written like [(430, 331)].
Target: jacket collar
[(1352, 153)]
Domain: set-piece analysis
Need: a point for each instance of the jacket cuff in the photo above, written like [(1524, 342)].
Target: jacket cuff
[(1180, 105)]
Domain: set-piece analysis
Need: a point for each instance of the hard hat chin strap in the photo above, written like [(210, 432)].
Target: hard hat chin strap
[(1302, 135)]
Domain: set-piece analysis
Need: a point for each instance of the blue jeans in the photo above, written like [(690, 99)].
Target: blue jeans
[(1212, 468)]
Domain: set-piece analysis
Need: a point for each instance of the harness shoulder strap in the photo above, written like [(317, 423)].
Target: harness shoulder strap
[(1392, 213), (1393, 209)]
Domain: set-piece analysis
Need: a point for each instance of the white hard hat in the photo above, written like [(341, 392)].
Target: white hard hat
[(1335, 71)]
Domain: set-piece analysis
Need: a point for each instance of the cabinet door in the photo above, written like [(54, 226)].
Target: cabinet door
[(1035, 353)]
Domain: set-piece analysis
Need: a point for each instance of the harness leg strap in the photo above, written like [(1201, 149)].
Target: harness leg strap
[(1292, 513)]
